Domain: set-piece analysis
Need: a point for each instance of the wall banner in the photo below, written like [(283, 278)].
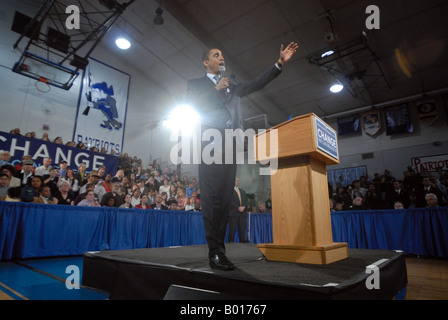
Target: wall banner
[(102, 106), (430, 163), (38, 149)]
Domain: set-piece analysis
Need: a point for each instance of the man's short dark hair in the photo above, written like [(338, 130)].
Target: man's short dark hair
[(206, 55)]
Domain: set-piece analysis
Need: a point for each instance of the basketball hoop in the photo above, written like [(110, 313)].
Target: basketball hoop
[(42, 85)]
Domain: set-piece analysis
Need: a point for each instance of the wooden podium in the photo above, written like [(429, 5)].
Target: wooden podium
[(301, 218)]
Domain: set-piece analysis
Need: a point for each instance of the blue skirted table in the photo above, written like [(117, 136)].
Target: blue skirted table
[(38, 230)]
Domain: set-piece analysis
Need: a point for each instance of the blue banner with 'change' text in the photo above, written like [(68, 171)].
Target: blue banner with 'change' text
[(18, 146)]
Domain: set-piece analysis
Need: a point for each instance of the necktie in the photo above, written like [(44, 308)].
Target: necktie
[(239, 194), (216, 79)]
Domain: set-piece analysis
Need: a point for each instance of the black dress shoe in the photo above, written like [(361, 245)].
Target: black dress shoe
[(221, 262)]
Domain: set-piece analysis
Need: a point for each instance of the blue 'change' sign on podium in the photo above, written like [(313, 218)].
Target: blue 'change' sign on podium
[(327, 140)]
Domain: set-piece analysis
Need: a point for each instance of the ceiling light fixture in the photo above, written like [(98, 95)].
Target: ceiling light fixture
[(327, 54), (123, 43), (336, 88)]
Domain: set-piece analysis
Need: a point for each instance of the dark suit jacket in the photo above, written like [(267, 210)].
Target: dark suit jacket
[(420, 193), (162, 206), (236, 203), (219, 109)]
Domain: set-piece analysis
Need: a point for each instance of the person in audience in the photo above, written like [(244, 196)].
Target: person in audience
[(62, 168), (11, 172), (141, 185), (373, 200), (81, 175), (157, 177), (152, 183), (190, 205), (45, 137), (127, 202), (189, 189), (89, 201), (70, 178), (31, 190), (172, 203), (101, 172), (118, 200), (44, 168), (108, 201), (94, 178), (26, 173), (13, 194), (343, 197), (332, 209), (261, 207), (118, 176), (357, 190), (5, 156), (58, 140), (158, 205), (136, 197), (82, 195), (181, 199), (426, 187), (165, 187), (4, 185), (358, 204), (52, 179), (398, 205), (64, 195), (173, 191), (151, 195), (338, 207), (143, 202), (431, 200), (164, 197), (81, 145), (126, 186), (45, 196), (107, 182), (398, 193)]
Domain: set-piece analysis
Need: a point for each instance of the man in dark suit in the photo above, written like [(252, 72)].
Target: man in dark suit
[(427, 186), (158, 205), (398, 194), (217, 99), (238, 213)]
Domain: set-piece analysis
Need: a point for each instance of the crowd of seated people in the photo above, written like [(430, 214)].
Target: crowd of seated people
[(131, 186), (413, 190)]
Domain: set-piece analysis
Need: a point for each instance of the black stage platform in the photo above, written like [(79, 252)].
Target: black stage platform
[(163, 273)]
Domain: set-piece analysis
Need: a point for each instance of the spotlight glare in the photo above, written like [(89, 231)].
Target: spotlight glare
[(336, 88), (123, 43), (183, 118)]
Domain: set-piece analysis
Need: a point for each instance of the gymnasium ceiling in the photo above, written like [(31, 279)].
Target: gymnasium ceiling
[(407, 56)]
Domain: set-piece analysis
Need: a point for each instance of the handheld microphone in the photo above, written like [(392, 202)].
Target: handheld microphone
[(222, 73)]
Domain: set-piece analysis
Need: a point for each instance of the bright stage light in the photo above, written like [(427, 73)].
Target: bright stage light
[(336, 88), (123, 43), (183, 118)]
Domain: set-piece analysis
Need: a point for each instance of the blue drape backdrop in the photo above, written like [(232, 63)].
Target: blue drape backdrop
[(39, 230)]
